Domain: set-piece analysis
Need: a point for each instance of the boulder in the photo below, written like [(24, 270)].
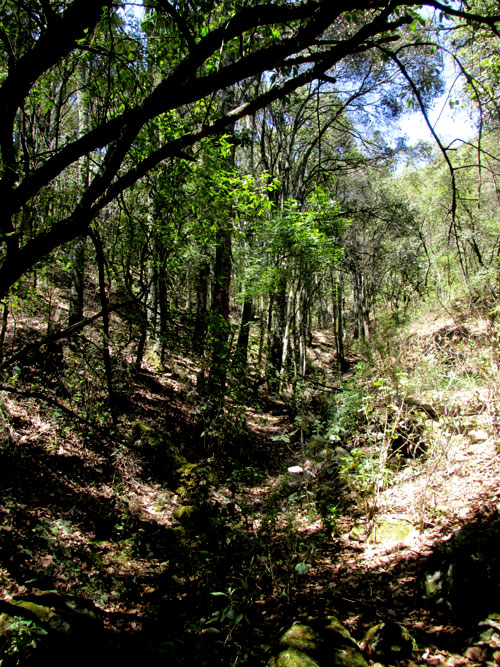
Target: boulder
[(325, 643), (390, 531), (292, 658)]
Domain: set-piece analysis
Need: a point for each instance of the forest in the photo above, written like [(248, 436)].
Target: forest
[(249, 333)]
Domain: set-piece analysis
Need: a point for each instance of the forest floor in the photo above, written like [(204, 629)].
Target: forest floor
[(116, 547)]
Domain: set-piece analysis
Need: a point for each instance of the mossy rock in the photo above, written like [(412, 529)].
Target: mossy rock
[(146, 436), (335, 628), (326, 644), (45, 615), (195, 481), (390, 531), (359, 532), (300, 637), (150, 441), (347, 656), (291, 657), (186, 514), (340, 647)]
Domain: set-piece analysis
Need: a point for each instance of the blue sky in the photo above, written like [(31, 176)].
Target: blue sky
[(449, 124)]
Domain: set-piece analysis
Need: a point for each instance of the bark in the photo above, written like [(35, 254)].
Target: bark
[(77, 282), (78, 254), (5, 317), (201, 320), (361, 306), (338, 320), (108, 371), (219, 314), (278, 305), (241, 351)]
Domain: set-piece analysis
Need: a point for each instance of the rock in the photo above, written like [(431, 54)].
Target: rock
[(195, 481), (388, 643), (390, 531), (359, 532), (186, 514), (300, 637), (475, 654), (326, 644), (341, 646), (292, 658), (44, 615), (433, 584), (478, 435)]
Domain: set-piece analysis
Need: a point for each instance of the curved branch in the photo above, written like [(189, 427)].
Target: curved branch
[(416, 92)]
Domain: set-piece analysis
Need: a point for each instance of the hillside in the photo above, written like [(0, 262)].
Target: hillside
[(141, 542)]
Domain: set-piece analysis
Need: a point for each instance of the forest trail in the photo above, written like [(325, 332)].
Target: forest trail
[(104, 526)]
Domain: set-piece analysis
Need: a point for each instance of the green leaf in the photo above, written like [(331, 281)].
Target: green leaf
[(302, 568)]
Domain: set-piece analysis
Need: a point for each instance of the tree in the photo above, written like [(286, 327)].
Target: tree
[(302, 42)]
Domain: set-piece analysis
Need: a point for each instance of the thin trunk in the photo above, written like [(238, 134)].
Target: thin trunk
[(219, 315), (361, 308), (200, 324), (241, 351), (338, 319), (289, 314), (279, 302), (96, 239), (141, 346), (262, 330), (5, 317), (303, 330), (78, 253)]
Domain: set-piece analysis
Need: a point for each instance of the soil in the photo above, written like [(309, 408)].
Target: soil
[(90, 528)]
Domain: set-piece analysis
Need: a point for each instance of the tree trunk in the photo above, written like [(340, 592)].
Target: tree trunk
[(78, 252), (96, 239), (219, 315), (278, 303), (200, 323), (241, 351)]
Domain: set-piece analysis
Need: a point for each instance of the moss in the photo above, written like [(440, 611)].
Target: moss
[(45, 615), (153, 445), (359, 532), (348, 656), (391, 531), (292, 658), (340, 648), (5, 621), (329, 644), (335, 626), (142, 434), (186, 513), (300, 637), (195, 481)]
